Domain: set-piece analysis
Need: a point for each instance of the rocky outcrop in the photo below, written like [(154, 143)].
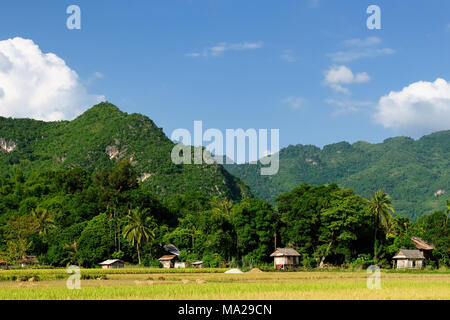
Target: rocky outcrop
[(112, 151), (7, 146), (144, 176), (311, 161)]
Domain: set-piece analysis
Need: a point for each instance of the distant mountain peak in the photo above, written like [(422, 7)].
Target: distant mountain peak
[(105, 107), (101, 111)]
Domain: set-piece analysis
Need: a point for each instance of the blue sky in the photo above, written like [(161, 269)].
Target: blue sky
[(309, 68)]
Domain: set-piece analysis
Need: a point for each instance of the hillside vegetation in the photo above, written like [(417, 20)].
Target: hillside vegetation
[(100, 137), (415, 173)]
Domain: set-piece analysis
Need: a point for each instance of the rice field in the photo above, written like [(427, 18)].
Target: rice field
[(213, 284)]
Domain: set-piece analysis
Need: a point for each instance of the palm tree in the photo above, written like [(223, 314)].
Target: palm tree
[(44, 221), (447, 211), (380, 206), (72, 250), (138, 229), (221, 206)]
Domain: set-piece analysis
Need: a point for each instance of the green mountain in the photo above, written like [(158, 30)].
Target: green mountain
[(98, 138), (415, 173)]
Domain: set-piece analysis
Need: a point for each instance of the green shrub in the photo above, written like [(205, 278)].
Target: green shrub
[(211, 260), (363, 261)]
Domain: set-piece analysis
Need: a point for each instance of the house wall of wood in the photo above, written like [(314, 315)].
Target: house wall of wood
[(117, 265), (166, 264), (279, 262), (409, 264)]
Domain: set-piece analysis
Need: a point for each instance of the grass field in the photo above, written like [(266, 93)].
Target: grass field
[(214, 284)]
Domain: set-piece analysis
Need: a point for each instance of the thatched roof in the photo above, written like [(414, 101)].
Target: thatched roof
[(281, 252), (409, 254), (168, 257), (421, 244), (110, 262)]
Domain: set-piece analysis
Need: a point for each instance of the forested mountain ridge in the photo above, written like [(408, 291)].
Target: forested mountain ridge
[(69, 194), (416, 173), (99, 137)]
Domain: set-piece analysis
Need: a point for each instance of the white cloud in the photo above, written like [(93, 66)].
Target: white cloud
[(220, 48), (39, 85), (294, 102), (342, 74), (352, 55), (368, 42), (336, 76), (338, 88), (5, 63), (360, 48), (419, 108), (288, 56)]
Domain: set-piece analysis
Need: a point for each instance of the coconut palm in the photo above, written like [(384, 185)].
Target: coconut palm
[(447, 211), (44, 221), (72, 251), (380, 206), (221, 206), (138, 229)]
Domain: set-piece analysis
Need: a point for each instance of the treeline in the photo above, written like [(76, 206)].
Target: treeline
[(75, 217)]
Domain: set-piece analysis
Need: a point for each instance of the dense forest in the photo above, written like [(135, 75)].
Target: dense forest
[(104, 133), (80, 217), (414, 172), (104, 186)]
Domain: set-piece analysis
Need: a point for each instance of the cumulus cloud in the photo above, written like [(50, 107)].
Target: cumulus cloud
[(39, 85), (419, 108), (219, 49), (336, 76), (5, 63), (360, 48)]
